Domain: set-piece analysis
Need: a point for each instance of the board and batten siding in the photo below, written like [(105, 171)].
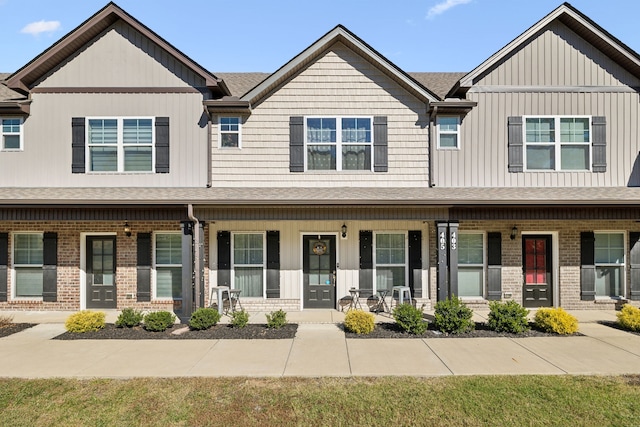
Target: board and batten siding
[(46, 159), (339, 83), (530, 82), (291, 232)]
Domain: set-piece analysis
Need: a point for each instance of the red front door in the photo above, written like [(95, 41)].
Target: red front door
[(538, 278)]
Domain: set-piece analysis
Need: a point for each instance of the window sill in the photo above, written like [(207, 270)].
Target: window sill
[(25, 301), (609, 300)]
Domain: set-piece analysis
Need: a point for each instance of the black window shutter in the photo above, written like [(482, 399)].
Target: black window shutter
[(599, 143), (494, 266), (50, 267), (634, 261), (273, 264), (78, 145), (296, 144), (380, 144), (143, 267), (224, 258), (366, 263), (162, 144), (587, 266), (4, 261), (415, 263), (515, 142)]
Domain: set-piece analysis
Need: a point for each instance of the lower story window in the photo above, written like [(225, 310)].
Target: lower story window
[(28, 252), (471, 265), (168, 262), (390, 261), (248, 264), (610, 264)]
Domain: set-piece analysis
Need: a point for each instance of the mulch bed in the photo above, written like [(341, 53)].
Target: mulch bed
[(615, 325), (13, 328), (251, 331), (392, 330)]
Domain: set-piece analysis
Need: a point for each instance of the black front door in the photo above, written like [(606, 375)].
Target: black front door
[(101, 272), (538, 277), (319, 271)]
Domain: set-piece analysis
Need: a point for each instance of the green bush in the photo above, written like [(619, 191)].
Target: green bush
[(85, 321), (129, 318), (629, 318), (556, 320), (204, 318), (239, 319), (276, 319), (508, 316), (409, 319), (453, 317), (359, 322), (159, 321)]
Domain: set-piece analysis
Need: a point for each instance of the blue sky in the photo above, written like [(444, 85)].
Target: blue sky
[(261, 35)]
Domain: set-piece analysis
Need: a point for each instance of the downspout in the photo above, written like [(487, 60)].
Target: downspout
[(432, 121), (209, 150), (196, 253)]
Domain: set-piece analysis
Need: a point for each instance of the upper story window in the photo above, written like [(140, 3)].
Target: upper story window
[(339, 143), (558, 143), (120, 144), (11, 132), (448, 129), (230, 135)]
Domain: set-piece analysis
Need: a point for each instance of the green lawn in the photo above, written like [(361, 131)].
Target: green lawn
[(468, 401)]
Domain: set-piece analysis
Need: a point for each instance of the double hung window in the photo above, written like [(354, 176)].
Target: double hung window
[(28, 258), (120, 144), (471, 265), (11, 133), (558, 143), (390, 260), (168, 265), (448, 132), (229, 132), (339, 143), (249, 264), (610, 264)]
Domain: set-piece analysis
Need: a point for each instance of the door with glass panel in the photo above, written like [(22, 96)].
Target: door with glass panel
[(319, 271), (101, 272), (538, 282)]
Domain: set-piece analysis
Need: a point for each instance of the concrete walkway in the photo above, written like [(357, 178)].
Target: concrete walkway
[(319, 349)]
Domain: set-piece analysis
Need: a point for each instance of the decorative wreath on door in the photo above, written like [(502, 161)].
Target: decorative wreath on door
[(319, 248)]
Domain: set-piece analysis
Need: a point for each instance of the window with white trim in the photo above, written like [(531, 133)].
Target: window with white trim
[(390, 260), (28, 259), (230, 132), (248, 264), (11, 133), (120, 144), (471, 265), (448, 130), (560, 143), (168, 265), (610, 264), (339, 143)]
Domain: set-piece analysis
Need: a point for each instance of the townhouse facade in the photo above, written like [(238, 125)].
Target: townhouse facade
[(133, 177)]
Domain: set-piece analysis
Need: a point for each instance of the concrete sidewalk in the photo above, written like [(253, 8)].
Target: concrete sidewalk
[(319, 349)]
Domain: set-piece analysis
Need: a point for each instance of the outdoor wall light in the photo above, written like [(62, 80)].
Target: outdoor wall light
[(514, 232), (344, 231), (127, 229)]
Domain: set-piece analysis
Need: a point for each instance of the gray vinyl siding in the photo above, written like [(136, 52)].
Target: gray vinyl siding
[(339, 83), (530, 83)]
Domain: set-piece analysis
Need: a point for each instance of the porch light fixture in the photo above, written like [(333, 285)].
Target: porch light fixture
[(344, 231), (514, 232), (127, 229)]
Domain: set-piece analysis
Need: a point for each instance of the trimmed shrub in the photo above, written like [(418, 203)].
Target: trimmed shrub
[(629, 318), (508, 316), (409, 319), (452, 316), (239, 319), (204, 318), (276, 319), (556, 320), (85, 321), (129, 318), (159, 321), (359, 322)]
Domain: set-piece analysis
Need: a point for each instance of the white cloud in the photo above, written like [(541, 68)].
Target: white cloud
[(37, 28), (444, 6)]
